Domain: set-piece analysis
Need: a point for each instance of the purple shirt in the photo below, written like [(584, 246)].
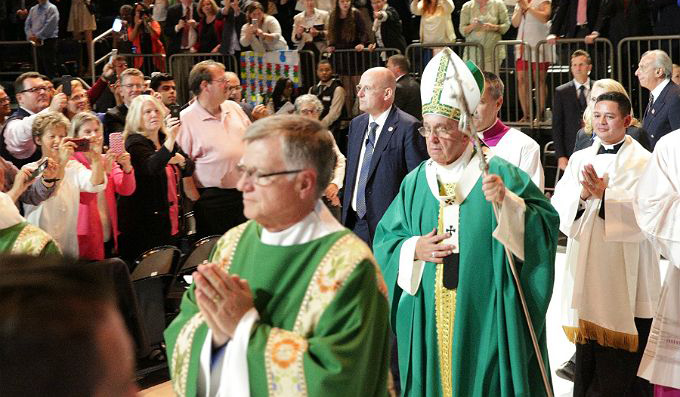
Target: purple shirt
[(493, 134)]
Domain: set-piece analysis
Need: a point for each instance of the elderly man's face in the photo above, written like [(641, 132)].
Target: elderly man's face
[(445, 142), (649, 75), (310, 111), (235, 89), (270, 201)]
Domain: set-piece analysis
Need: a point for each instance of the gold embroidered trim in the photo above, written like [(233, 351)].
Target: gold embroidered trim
[(31, 241), (445, 314), (435, 106), (181, 354), (283, 357), (226, 246), (587, 330), (334, 269)]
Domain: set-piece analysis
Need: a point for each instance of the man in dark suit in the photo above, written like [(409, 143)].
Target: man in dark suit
[(387, 26), (569, 102), (571, 21), (131, 85), (407, 97), (180, 27), (663, 110), (384, 146)]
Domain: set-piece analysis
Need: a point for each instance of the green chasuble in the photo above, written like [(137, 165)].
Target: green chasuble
[(24, 238), (492, 353), (323, 327)]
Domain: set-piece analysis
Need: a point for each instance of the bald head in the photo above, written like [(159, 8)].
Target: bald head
[(233, 84), (376, 91)]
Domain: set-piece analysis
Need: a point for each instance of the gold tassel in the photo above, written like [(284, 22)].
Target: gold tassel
[(603, 336)]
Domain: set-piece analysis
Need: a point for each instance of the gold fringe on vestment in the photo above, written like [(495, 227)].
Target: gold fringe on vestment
[(587, 330)]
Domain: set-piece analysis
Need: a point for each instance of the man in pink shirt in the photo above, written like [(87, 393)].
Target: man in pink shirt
[(211, 134)]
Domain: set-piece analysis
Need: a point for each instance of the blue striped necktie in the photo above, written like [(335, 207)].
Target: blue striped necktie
[(363, 174)]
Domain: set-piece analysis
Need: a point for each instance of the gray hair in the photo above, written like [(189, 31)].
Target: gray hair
[(306, 144), (662, 61), (308, 98)]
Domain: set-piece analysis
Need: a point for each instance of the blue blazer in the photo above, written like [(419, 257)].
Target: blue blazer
[(665, 114), (400, 148)]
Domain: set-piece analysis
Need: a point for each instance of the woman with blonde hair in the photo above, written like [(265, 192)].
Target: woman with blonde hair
[(209, 28), (150, 216), (98, 212), (585, 136), (58, 215), (484, 22)]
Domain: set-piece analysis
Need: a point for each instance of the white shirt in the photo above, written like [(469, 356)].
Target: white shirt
[(229, 375), (657, 90), (380, 120), (19, 136), (58, 215)]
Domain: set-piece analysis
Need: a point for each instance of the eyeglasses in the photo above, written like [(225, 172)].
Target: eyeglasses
[(439, 132), (129, 86), (258, 177), (235, 88), (33, 90), (78, 97), (219, 81), (309, 111)]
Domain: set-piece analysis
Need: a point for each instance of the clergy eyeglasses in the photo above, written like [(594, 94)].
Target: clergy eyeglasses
[(439, 132), (259, 178)]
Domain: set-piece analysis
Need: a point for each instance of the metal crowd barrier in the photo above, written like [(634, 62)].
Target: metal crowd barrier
[(419, 54), (629, 52), (13, 61), (512, 112), (180, 65), (150, 62), (601, 53)]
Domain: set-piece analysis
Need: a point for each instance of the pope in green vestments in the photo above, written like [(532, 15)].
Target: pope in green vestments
[(471, 340), (19, 237), (320, 300)]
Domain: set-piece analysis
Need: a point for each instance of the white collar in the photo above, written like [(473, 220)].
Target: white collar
[(318, 223), (657, 90), (9, 213), (586, 84), (29, 112), (380, 120), (610, 147)]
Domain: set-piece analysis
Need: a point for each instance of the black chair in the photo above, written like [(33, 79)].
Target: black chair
[(199, 253), (151, 277), (156, 262)]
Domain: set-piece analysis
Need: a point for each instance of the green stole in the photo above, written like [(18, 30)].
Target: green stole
[(24, 238), (492, 352), (323, 317)]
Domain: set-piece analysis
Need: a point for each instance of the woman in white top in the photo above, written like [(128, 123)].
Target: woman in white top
[(262, 32), (532, 18), (310, 106), (58, 215), (309, 27), (435, 21), (484, 22)]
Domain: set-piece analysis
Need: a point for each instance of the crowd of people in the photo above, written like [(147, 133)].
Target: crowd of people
[(359, 255)]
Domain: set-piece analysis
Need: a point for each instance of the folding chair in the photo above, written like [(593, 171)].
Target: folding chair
[(155, 262)]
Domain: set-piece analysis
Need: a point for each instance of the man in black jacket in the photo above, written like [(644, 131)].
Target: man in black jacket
[(387, 26), (180, 27), (407, 96), (131, 85)]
